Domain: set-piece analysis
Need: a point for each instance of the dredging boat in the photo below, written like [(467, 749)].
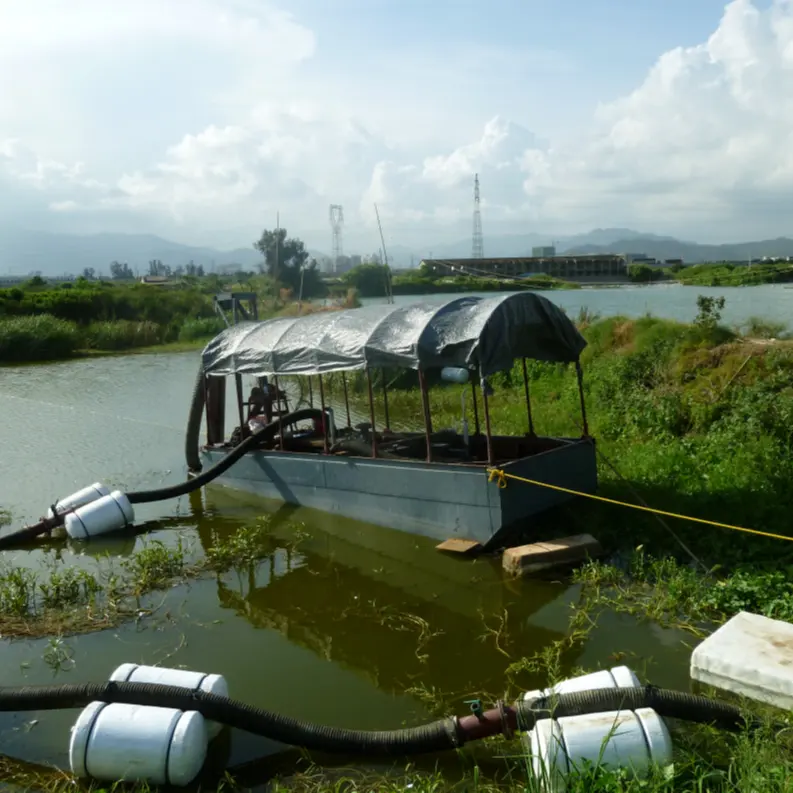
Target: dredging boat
[(432, 483)]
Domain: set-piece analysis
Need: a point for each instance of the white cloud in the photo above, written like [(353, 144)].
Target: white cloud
[(703, 143), (701, 148)]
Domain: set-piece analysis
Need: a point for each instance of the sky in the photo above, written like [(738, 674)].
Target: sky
[(203, 120)]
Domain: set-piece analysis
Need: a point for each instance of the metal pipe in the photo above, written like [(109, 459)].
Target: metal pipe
[(488, 433), (243, 427), (346, 398), (325, 447), (371, 410), (580, 376), (528, 398), (425, 403), (385, 399), (279, 403), (476, 408)]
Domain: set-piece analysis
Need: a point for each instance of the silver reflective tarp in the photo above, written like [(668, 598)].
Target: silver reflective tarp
[(484, 332)]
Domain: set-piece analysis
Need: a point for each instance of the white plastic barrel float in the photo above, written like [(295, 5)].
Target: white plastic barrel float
[(617, 677), (196, 681), (112, 512), (79, 499), (134, 743), (633, 740)]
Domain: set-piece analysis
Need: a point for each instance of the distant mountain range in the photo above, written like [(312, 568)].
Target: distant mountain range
[(691, 251), (24, 251)]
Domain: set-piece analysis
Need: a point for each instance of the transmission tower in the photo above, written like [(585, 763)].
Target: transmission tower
[(336, 224), (477, 245)]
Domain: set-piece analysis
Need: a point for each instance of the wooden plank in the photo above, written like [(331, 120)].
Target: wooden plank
[(527, 559), (459, 545)]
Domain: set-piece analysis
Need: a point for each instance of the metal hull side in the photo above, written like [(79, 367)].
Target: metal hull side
[(430, 499), (573, 467), (434, 500)]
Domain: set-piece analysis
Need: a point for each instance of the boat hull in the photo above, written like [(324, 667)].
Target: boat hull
[(436, 500)]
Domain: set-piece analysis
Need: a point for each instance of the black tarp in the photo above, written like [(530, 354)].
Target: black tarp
[(485, 332)]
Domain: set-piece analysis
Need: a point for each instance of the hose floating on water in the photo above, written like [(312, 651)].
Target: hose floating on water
[(266, 433), (441, 735)]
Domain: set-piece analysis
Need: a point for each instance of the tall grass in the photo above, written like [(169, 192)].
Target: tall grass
[(203, 328), (122, 334), (37, 338)]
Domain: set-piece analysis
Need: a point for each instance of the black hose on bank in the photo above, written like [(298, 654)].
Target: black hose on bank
[(441, 735), (667, 703)]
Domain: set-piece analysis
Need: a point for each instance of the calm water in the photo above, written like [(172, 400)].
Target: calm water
[(673, 301), (336, 625)]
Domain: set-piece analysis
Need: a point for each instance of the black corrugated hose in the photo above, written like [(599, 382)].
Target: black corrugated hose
[(267, 432), (444, 734), (667, 703)]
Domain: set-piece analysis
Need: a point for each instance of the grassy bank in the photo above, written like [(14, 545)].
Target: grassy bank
[(42, 336), (729, 274), (428, 285)]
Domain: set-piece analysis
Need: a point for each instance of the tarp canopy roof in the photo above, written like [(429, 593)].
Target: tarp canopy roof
[(469, 332)]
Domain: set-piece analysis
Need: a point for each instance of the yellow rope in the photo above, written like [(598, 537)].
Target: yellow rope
[(500, 477)]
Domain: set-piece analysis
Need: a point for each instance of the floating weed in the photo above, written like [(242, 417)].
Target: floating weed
[(69, 587), (155, 565), (244, 547), (58, 656), (17, 592), (499, 633)]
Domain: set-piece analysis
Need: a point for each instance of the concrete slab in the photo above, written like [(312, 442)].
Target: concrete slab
[(527, 559)]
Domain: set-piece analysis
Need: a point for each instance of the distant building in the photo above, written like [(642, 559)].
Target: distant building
[(543, 252), (638, 258), (566, 267), (155, 279)]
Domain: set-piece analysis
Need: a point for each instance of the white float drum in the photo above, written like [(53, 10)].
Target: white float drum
[(135, 743), (107, 514), (617, 677), (79, 499), (631, 740), (195, 681)]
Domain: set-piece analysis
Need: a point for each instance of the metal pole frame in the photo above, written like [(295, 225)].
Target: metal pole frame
[(488, 433), (580, 377), (371, 410), (243, 427), (278, 402), (325, 447), (346, 398), (385, 400), (528, 399), (425, 404)]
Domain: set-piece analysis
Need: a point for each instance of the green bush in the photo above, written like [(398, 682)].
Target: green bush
[(38, 338)]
